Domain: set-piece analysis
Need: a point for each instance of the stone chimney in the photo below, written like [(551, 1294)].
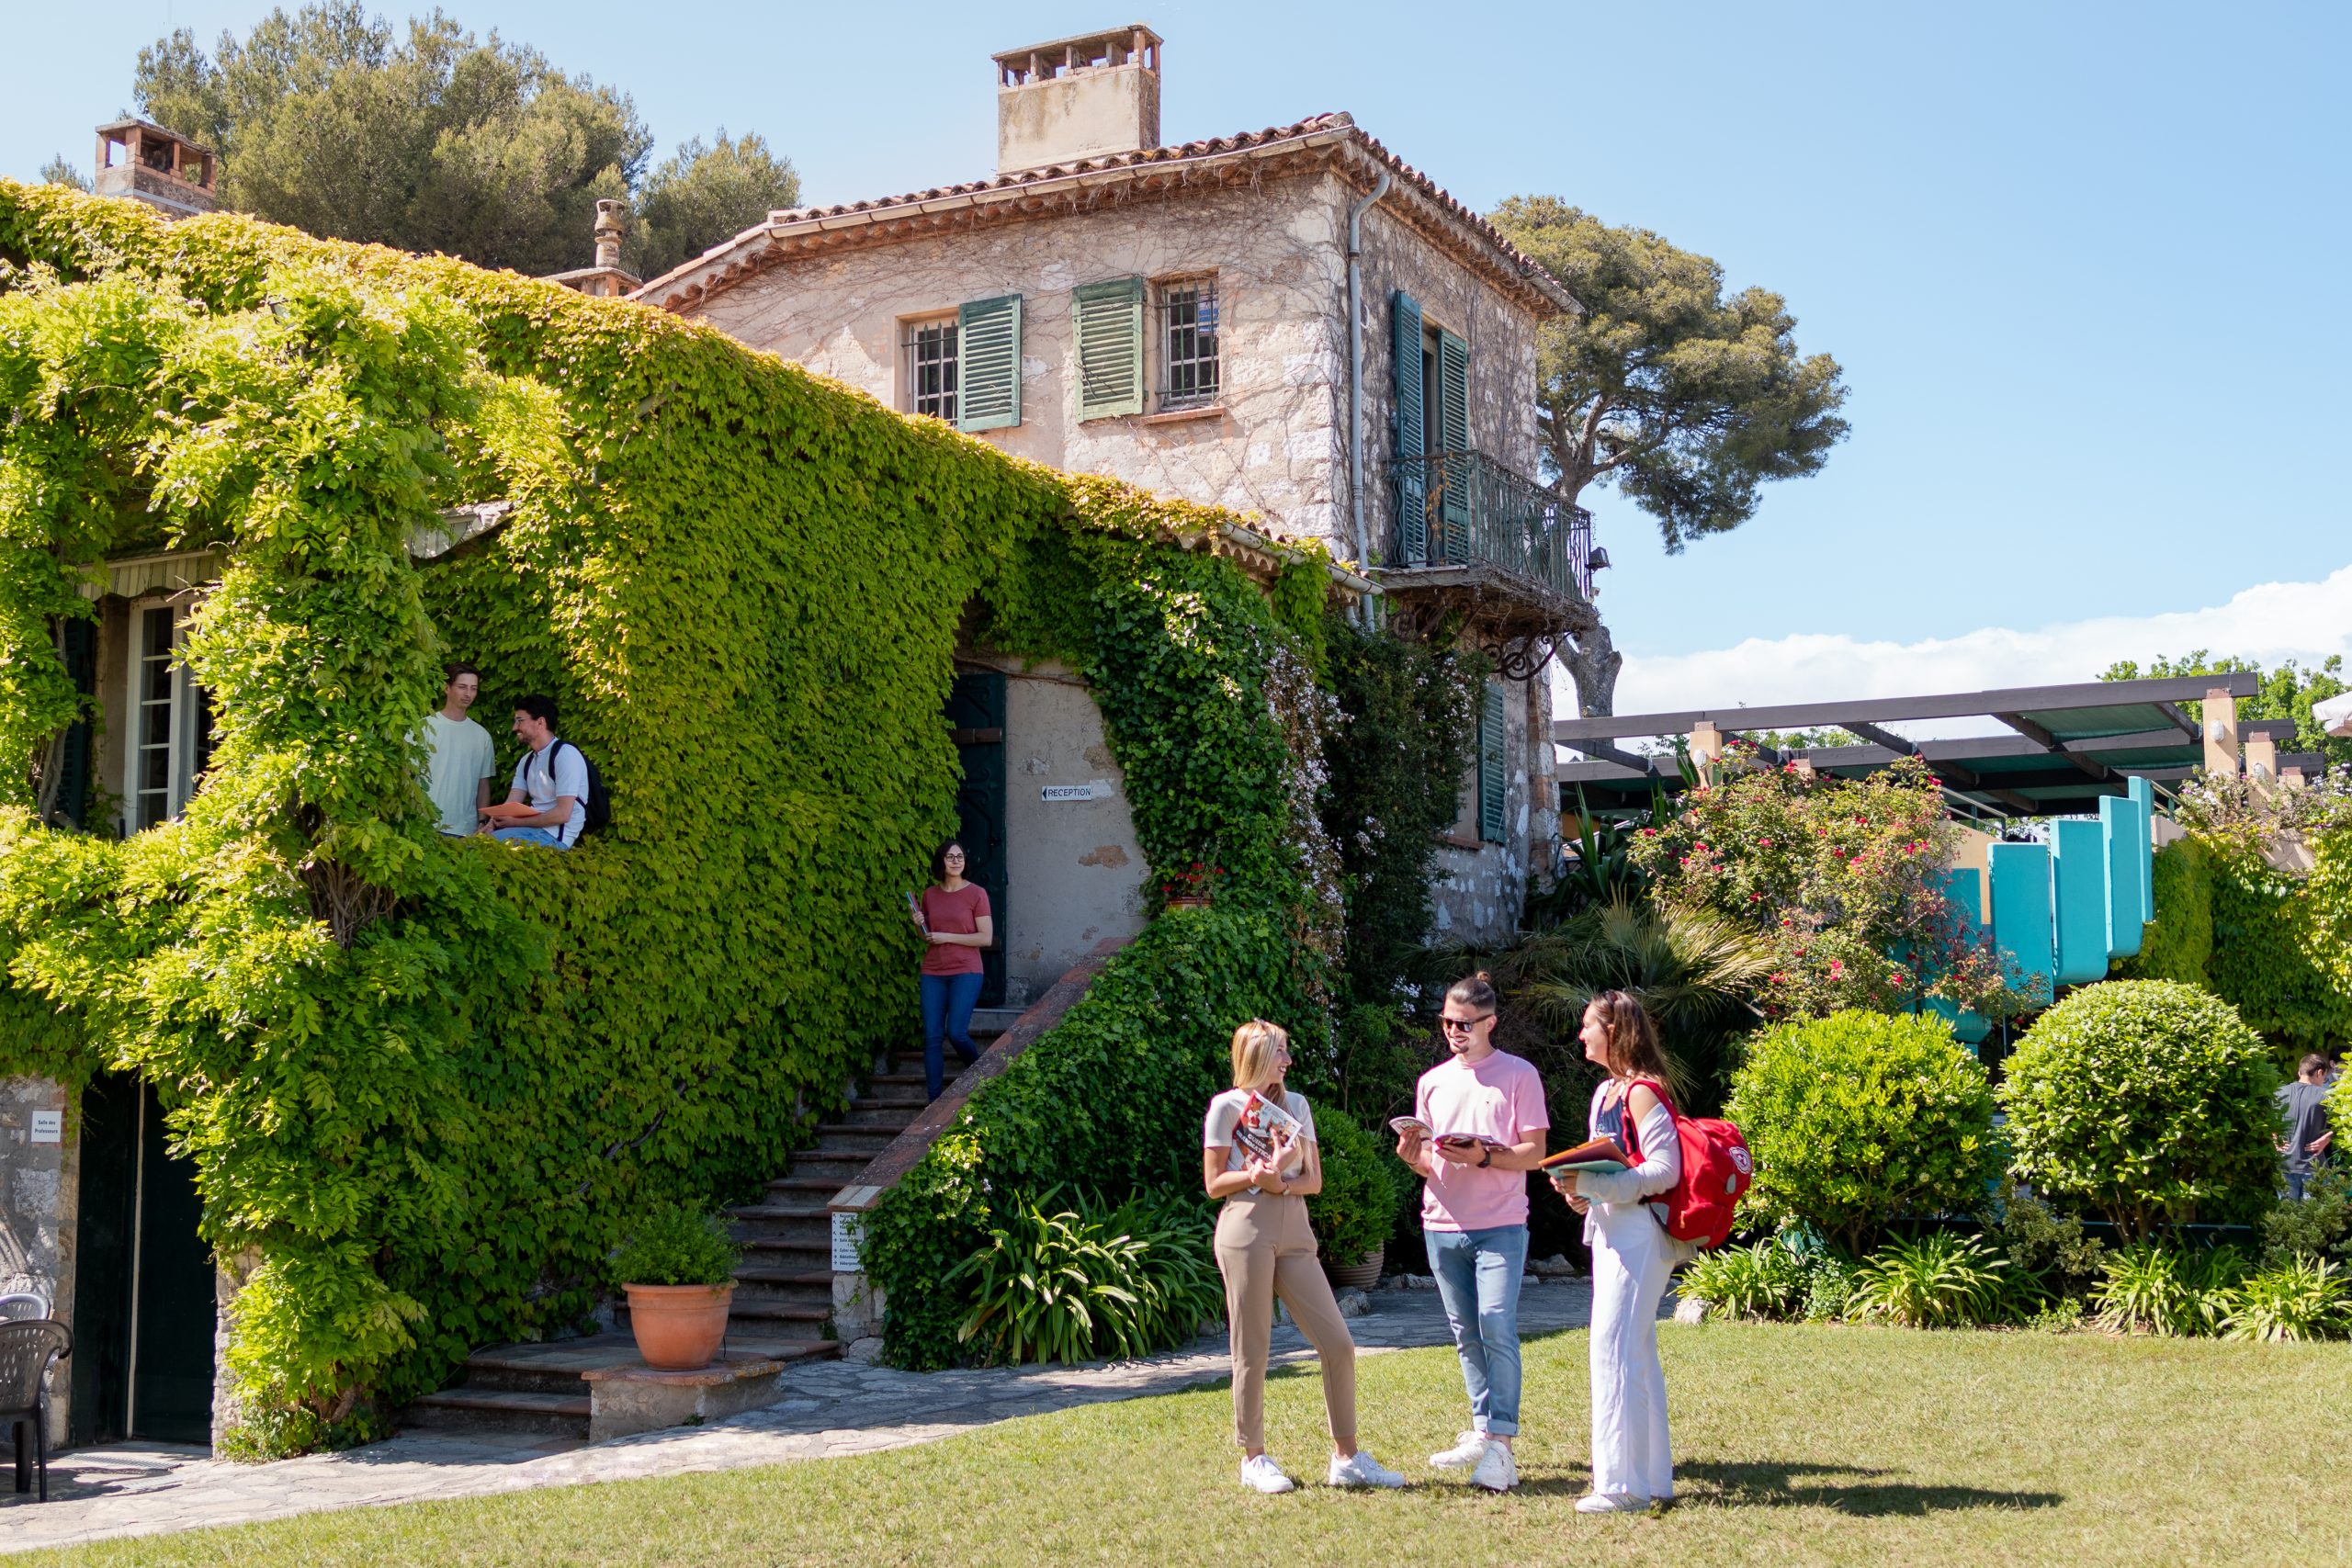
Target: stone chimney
[(607, 279), (139, 161), (608, 232), (1077, 98)]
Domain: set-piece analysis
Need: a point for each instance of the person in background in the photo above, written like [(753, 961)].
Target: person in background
[(552, 777), (462, 761), (2303, 1106), (953, 916), (1484, 1109), (1633, 1462), (1265, 1248)]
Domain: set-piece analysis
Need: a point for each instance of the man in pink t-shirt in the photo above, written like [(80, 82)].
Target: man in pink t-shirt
[(1484, 1111)]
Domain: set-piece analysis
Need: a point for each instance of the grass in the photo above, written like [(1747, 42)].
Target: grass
[(1793, 1445)]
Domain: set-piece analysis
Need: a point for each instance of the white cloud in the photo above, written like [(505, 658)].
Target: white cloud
[(2305, 621)]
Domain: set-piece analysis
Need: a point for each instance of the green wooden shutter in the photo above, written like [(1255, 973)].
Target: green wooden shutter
[(1412, 485), (1109, 347), (1453, 427), (1492, 773), (987, 363)]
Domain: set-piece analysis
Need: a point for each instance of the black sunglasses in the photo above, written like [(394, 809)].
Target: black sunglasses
[(1465, 1025)]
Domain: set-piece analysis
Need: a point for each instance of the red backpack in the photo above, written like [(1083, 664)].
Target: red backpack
[(1715, 1171)]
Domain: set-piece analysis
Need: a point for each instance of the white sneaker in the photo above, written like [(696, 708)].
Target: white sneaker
[(1498, 1471), (1467, 1451), (1260, 1473), (1611, 1503), (1360, 1468)]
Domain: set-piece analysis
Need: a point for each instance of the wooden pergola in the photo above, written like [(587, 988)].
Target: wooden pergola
[(2047, 751)]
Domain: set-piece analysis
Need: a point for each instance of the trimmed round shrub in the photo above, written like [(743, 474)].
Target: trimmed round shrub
[(2145, 1101), (1859, 1119), (1357, 1208)]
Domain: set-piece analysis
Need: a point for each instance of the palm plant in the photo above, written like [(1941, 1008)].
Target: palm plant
[(1694, 970)]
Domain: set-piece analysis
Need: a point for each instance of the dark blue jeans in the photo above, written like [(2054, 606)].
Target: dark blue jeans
[(947, 1002)]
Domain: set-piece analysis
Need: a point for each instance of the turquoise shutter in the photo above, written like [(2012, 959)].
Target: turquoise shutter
[(1453, 422), (987, 363), (1492, 774), (1109, 347), (1412, 488)]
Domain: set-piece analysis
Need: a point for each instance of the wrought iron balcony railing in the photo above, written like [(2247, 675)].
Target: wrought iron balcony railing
[(1465, 509)]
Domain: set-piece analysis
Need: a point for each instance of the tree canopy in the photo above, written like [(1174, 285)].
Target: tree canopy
[(2288, 692), (701, 194), (430, 138), (1684, 398)]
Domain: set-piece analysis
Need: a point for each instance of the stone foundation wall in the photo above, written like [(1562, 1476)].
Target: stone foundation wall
[(40, 1182)]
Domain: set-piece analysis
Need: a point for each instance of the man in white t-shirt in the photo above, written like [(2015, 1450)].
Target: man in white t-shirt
[(552, 777), (462, 760)]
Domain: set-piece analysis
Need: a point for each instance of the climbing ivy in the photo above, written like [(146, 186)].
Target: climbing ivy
[(426, 1082), (2178, 942)]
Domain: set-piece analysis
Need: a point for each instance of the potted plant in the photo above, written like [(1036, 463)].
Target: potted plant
[(1357, 1208), (1189, 888), (678, 1269)]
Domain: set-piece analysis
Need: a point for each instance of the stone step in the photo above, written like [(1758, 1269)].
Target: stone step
[(863, 1118), (772, 1314), (505, 1410), (777, 1213), (770, 1249), (824, 1161), (818, 1187), (837, 1137), (773, 1274)]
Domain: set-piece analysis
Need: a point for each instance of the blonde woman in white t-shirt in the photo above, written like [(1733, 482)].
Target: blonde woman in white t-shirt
[(1265, 1249)]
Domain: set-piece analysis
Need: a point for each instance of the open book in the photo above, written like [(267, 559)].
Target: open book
[(1266, 1131), (1404, 1124), (1603, 1155)]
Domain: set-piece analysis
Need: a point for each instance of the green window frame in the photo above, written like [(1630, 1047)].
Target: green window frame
[(1109, 329), (987, 363)]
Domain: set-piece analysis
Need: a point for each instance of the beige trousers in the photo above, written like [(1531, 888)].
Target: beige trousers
[(1265, 1249)]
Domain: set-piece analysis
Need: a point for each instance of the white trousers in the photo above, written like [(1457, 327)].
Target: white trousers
[(1630, 1263)]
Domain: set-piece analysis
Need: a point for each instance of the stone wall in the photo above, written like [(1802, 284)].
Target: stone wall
[(1274, 445), (38, 1183)]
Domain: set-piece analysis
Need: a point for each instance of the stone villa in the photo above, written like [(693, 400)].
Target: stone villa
[(1292, 323)]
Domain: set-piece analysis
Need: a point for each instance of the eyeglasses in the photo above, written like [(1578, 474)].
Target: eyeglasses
[(1463, 1025)]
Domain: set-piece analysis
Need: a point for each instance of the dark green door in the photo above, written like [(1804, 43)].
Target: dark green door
[(143, 1294), (975, 712)]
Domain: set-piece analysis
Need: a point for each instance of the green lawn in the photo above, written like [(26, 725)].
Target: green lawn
[(1879, 1447)]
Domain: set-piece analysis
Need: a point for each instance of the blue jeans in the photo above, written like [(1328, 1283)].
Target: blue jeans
[(1477, 1278), (2296, 1179), (947, 1002), (545, 837)]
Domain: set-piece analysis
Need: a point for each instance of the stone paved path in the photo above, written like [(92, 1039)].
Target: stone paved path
[(825, 1410)]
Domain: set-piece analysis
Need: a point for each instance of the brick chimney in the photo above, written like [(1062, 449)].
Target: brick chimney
[(1077, 98), (139, 161)]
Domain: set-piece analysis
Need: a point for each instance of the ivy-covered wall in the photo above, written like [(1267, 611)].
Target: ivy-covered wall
[(425, 1081)]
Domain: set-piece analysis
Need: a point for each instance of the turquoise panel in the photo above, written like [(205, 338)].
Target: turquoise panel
[(2078, 894), (2144, 794), (2126, 908), (1964, 887), (2022, 925)]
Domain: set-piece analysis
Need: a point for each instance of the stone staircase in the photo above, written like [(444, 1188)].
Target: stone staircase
[(784, 1288)]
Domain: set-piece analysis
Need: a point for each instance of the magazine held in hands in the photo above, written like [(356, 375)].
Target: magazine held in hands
[(1601, 1155), (1266, 1131)]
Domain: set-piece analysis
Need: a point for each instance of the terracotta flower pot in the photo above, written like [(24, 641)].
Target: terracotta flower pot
[(1188, 901), (679, 1327), (1361, 1275)]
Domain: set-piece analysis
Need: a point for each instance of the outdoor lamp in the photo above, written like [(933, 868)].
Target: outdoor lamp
[(1598, 560)]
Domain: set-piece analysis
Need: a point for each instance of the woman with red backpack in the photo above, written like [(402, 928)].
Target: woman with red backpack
[(1632, 1257)]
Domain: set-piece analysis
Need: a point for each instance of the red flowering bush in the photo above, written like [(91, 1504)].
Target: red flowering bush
[(1843, 878)]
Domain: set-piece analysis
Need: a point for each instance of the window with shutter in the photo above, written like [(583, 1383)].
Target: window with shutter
[(1413, 493), (987, 363), (1450, 420), (1109, 347), (1492, 772)]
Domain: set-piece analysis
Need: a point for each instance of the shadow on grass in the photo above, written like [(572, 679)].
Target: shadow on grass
[(1765, 1484)]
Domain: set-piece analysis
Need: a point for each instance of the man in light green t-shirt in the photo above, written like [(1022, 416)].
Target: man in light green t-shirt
[(464, 761)]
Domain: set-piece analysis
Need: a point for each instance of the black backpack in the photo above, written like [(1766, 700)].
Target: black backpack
[(600, 804)]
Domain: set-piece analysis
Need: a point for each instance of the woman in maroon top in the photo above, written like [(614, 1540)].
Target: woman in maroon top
[(954, 915)]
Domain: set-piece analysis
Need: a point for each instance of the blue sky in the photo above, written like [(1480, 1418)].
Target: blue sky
[(2081, 263)]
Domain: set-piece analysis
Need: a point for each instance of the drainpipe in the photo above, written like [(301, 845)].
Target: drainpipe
[(1355, 379)]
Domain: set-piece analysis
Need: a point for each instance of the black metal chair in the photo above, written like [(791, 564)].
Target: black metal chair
[(26, 1350)]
